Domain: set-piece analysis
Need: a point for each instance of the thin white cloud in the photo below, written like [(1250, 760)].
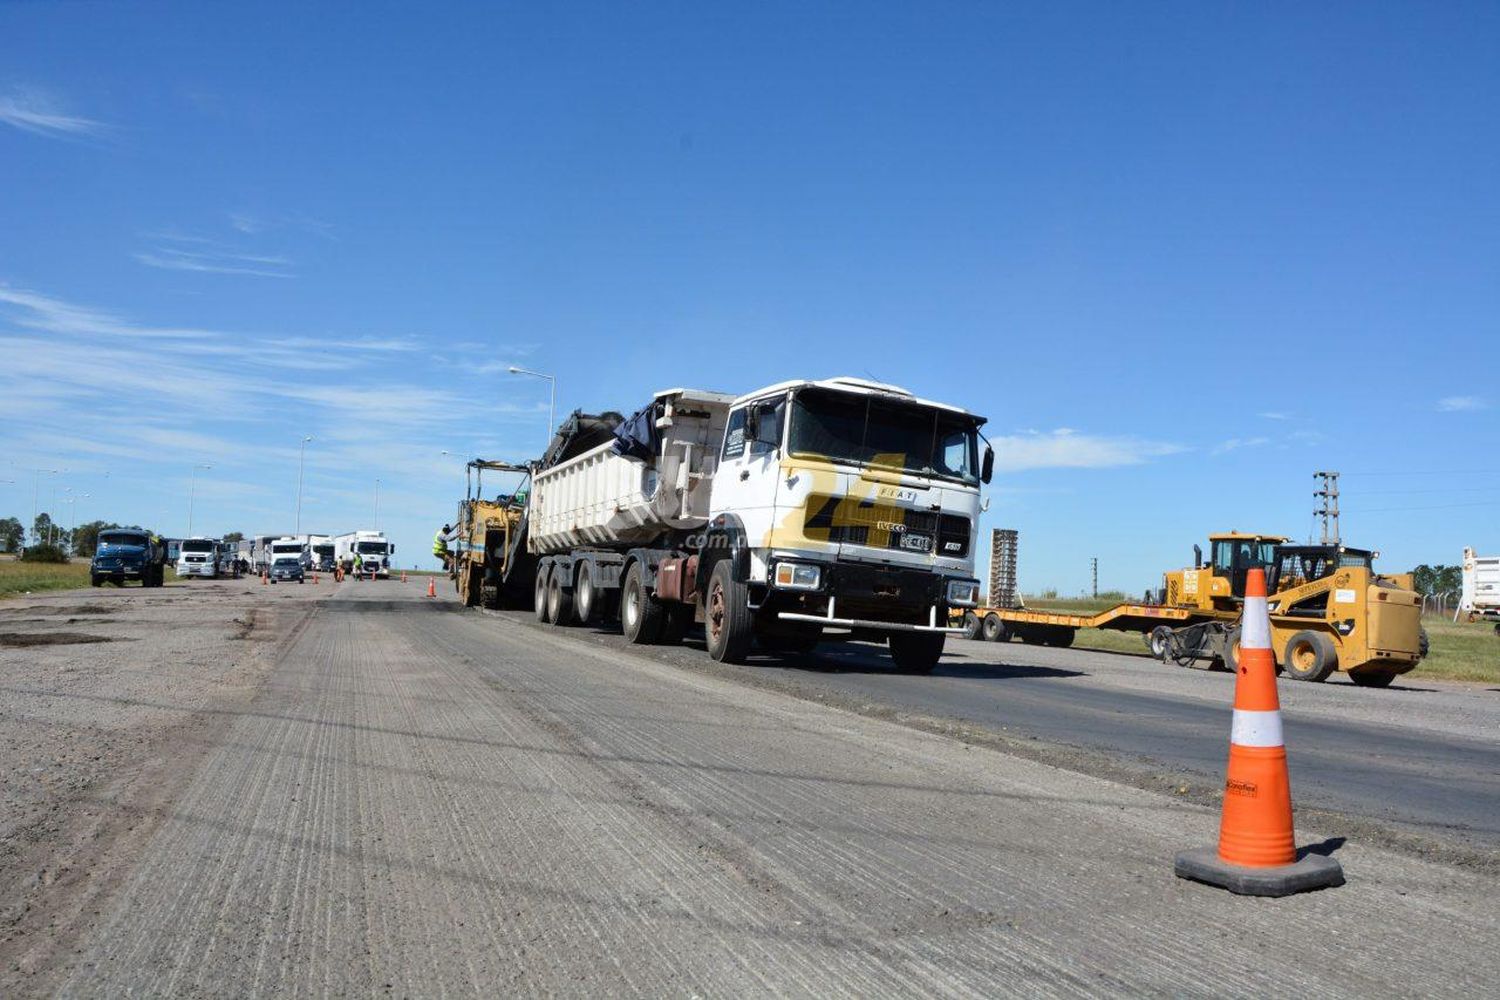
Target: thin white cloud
[(41, 312), (1462, 404), (252, 224), (1274, 415), (1065, 448), (1235, 444), (33, 111), (171, 260)]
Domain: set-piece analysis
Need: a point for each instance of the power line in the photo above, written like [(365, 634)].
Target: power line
[(1445, 506)]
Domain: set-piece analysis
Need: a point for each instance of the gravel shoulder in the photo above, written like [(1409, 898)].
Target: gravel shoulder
[(108, 700)]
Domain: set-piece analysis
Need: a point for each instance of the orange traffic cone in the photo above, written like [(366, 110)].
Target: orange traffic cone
[(315, 576), (265, 577), (1257, 855), (431, 587), (403, 576)]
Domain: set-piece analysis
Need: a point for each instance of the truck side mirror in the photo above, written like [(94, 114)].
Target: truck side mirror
[(1197, 557), (987, 466)]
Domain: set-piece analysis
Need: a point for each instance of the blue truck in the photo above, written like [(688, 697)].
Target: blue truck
[(129, 554)]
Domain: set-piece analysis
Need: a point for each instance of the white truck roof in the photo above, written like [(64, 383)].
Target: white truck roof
[(858, 386)]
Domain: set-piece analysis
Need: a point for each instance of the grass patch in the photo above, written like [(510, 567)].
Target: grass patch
[(19, 578), (1458, 652)]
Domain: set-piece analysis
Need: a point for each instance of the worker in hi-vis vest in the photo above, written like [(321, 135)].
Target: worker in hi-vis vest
[(440, 544)]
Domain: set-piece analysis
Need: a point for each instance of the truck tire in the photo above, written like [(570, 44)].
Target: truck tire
[(1232, 650), (1372, 678), (972, 625), (994, 630), (473, 587), (727, 619), (641, 616), (1310, 656), (95, 580), (1423, 645), (539, 604), (559, 601), (916, 652), (1159, 641), (587, 599)]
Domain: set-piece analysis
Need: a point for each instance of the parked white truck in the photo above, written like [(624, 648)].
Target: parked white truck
[(292, 545), (374, 550), (807, 507), (1481, 588), (200, 556)]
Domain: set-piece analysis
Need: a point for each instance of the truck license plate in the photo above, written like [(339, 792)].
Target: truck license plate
[(920, 543)]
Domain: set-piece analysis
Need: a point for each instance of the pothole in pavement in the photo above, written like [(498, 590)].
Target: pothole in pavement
[(24, 639)]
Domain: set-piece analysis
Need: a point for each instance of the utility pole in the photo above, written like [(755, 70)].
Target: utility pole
[(1095, 565), (1329, 509), (301, 455), (376, 525)]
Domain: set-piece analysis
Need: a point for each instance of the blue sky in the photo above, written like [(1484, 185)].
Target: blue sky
[(1181, 255)]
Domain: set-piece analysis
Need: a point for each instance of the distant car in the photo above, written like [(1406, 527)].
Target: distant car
[(288, 568)]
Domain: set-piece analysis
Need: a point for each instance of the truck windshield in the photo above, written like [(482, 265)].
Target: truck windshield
[(370, 548), (121, 541), (197, 546), (867, 430)]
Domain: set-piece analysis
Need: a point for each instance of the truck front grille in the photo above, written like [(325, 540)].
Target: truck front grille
[(846, 520)]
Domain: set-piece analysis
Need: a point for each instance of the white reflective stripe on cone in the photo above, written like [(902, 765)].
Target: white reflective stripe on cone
[(1255, 625), (1256, 729)]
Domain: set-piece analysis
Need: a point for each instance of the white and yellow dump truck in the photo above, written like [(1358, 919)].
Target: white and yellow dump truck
[(839, 507)]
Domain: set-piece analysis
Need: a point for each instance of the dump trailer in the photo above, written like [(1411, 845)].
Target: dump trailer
[(841, 507), (1480, 598), (1329, 609), (488, 540)]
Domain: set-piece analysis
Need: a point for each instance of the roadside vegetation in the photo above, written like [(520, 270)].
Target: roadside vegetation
[(1460, 652), (19, 578)]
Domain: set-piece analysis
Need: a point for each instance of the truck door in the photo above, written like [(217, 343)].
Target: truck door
[(745, 482)]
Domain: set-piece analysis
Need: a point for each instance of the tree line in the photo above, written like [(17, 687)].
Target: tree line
[(80, 541)]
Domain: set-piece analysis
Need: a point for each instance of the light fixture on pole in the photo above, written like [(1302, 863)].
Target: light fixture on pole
[(301, 455), (552, 406), (193, 489)]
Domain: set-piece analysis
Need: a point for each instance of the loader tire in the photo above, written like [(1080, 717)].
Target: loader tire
[(1310, 656), (1423, 645)]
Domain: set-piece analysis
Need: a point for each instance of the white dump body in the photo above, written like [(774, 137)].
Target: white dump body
[(605, 500), (1481, 593)]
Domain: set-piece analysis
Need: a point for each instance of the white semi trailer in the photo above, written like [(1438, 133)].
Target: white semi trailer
[(1481, 588), (808, 507)]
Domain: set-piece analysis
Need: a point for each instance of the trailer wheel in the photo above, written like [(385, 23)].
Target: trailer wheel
[(539, 607), (1060, 636), (972, 626), (994, 629), (1372, 678), (586, 597), (559, 601), (727, 616), (1310, 656), (916, 652), (640, 615), (1159, 641)]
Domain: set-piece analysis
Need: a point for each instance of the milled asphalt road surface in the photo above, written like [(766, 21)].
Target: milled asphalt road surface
[(423, 801), (1424, 758)]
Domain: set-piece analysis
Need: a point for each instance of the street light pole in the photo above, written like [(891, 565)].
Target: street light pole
[(552, 406), (36, 488), (301, 455), (193, 489), (377, 505)]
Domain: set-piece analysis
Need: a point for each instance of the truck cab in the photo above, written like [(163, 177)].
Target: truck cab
[(199, 557), (848, 505), (129, 554)]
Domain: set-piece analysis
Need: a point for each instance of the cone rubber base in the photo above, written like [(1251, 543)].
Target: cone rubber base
[(1309, 872)]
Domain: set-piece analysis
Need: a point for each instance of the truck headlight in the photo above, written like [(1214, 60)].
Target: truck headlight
[(963, 593), (798, 576)]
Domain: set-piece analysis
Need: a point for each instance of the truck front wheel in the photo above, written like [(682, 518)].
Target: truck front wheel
[(916, 652), (641, 617), (728, 624)]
